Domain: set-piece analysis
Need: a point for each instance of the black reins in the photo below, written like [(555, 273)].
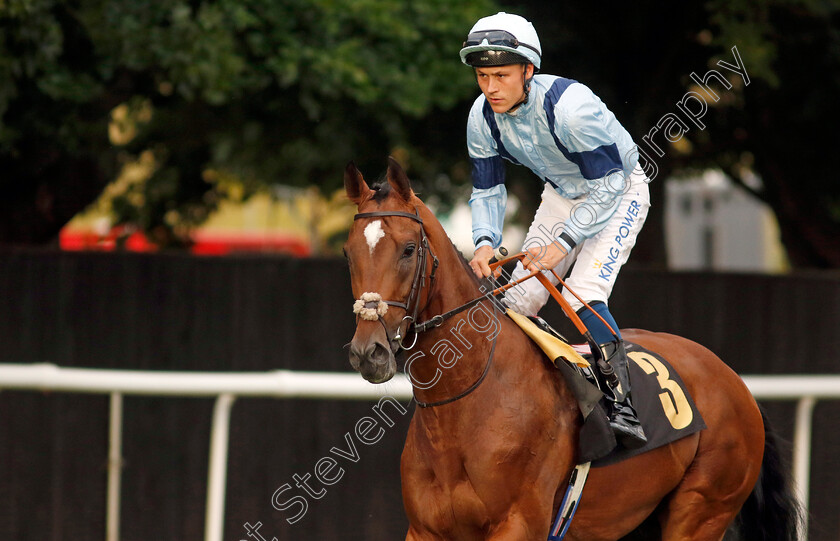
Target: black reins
[(417, 284), (469, 389)]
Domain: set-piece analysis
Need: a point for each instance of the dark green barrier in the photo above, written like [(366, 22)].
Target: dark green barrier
[(177, 312)]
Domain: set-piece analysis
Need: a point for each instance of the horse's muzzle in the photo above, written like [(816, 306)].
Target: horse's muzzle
[(373, 359)]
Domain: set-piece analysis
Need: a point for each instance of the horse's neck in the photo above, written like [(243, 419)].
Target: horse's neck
[(454, 284), (450, 358), (453, 287)]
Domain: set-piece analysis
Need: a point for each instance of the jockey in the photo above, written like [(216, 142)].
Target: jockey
[(595, 198)]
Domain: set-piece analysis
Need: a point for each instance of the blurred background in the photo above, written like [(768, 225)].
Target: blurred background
[(170, 199)]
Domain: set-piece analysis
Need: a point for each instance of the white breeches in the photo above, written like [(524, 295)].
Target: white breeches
[(597, 259)]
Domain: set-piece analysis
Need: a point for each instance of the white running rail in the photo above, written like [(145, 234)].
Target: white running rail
[(227, 386)]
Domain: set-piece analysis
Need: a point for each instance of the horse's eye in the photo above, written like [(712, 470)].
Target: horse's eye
[(409, 251)]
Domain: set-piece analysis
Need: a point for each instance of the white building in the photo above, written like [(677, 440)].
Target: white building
[(712, 224)]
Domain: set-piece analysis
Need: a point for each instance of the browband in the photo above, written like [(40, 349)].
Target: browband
[(386, 213)]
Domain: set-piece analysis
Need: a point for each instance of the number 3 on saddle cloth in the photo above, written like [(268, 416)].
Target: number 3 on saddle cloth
[(663, 405), (665, 409)]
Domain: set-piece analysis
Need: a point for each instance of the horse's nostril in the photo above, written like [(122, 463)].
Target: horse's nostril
[(380, 354), (375, 353), (377, 364)]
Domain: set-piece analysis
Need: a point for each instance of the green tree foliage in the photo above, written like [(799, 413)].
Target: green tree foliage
[(781, 126), (287, 92), (271, 92), (785, 126)]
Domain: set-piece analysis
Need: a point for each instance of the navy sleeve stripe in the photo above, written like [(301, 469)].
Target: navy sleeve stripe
[(598, 163), (593, 164), (565, 237), (487, 172), (494, 131)]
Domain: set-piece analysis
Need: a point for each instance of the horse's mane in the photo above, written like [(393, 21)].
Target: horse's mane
[(464, 262)]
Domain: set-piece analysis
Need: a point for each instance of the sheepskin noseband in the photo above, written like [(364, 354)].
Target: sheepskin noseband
[(370, 306)]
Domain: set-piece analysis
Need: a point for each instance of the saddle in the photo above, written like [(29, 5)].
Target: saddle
[(664, 406)]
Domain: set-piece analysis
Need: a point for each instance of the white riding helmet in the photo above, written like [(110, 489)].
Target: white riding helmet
[(508, 37)]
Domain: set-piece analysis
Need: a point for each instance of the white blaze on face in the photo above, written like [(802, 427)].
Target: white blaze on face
[(373, 232)]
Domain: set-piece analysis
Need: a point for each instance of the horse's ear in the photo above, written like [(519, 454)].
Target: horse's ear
[(398, 179), (354, 183)]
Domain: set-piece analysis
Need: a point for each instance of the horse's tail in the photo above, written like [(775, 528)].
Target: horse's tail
[(771, 512)]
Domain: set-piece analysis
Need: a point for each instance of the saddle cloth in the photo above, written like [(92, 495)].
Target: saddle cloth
[(664, 406)]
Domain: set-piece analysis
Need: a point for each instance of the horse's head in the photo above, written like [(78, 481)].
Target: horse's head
[(387, 251)]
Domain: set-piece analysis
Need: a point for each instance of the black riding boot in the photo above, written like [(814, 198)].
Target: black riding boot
[(623, 419)]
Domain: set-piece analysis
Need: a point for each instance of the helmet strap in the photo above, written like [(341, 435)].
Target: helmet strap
[(526, 89)]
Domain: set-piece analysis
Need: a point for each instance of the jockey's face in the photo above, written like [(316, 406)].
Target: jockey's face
[(504, 86)]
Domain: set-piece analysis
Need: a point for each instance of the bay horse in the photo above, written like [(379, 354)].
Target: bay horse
[(492, 443)]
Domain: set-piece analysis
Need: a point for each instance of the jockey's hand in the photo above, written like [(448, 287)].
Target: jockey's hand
[(543, 258), (480, 263)]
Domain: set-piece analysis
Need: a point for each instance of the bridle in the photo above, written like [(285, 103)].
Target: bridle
[(411, 306), (413, 300), (418, 283)]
